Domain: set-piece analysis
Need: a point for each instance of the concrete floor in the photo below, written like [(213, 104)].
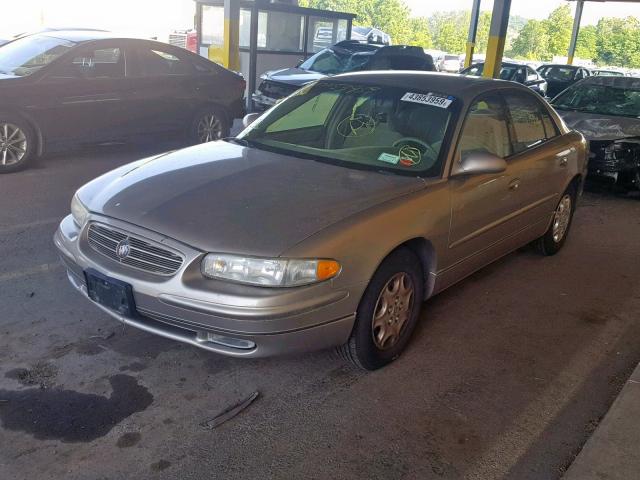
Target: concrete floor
[(506, 377)]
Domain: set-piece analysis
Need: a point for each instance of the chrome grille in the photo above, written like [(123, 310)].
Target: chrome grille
[(142, 254)]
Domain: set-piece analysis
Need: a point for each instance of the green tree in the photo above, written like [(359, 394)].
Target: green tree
[(391, 16), (617, 42), (558, 26), (586, 44), (532, 42), (449, 30)]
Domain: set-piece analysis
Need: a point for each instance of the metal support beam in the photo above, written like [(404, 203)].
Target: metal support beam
[(497, 35), (473, 30), (576, 30), (231, 42)]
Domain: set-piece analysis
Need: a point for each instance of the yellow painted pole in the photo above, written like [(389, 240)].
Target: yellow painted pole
[(473, 30), (497, 36), (231, 39)]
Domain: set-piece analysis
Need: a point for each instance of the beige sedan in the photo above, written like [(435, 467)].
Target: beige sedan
[(329, 219)]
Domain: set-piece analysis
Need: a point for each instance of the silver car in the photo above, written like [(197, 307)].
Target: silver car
[(329, 219)]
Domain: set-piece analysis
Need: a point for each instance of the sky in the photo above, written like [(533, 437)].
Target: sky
[(146, 18)]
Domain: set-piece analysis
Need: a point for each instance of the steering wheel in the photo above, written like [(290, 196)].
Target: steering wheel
[(408, 140)]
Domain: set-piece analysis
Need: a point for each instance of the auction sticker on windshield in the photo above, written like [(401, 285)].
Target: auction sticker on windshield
[(433, 99)]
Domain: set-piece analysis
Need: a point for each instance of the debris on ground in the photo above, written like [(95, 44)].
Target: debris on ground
[(41, 374), (103, 337), (229, 413)]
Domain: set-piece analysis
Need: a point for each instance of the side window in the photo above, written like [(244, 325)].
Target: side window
[(156, 62), (485, 129), (98, 63), (531, 75), (528, 119)]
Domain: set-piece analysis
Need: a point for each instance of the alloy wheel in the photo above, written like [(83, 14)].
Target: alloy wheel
[(561, 218), (209, 128), (13, 144), (392, 311)]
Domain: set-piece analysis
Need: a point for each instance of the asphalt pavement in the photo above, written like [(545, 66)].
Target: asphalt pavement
[(508, 374)]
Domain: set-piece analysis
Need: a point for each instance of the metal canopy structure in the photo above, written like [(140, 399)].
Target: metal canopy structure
[(253, 36), (498, 33)]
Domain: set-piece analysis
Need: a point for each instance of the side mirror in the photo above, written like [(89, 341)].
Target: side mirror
[(479, 163), (249, 119)]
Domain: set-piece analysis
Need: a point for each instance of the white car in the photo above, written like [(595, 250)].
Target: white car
[(451, 64)]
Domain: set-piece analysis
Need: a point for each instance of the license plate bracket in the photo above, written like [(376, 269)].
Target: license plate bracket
[(110, 292)]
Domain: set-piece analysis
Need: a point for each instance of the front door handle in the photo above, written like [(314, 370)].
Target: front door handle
[(514, 184)]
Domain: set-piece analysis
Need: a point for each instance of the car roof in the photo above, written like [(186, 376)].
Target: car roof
[(77, 35), (613, 81), (463, 87), (563, 65), (504, 64)]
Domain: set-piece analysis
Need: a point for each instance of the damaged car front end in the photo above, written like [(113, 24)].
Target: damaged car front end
[(606, 110), (617, 161)]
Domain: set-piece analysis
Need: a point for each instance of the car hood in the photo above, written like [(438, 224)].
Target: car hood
[(601, 127), (227, 198), (294, 76)]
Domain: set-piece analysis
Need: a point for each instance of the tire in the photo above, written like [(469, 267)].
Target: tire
[(556, 236), (18, 144), (371, 345), (209, 124)]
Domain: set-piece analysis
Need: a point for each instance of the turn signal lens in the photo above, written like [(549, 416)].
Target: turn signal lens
[(327, 269)]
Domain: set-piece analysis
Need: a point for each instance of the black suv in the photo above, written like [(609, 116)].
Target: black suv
[(345, 56)]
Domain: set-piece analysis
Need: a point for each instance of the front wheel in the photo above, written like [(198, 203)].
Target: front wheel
[(388, 312), (17, 144), (209, 125), (554, 238)]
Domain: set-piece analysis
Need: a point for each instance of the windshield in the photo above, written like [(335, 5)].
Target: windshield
[(561, 74), (334, 60), (358, 126), (449, 58), (603, 99), (27, 55)]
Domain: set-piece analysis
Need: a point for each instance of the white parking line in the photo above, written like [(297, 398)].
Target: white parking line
[(44, 268), (27, 226)]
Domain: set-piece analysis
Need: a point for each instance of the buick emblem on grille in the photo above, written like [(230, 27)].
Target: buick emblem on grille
[(123, 249)]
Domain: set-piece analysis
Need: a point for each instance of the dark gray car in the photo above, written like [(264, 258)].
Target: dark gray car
[(606, 110), (343, 57)]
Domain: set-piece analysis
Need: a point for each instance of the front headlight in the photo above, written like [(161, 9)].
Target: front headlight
[(268, 272), (78, 211)]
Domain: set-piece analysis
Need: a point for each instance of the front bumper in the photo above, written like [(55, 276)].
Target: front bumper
[(262, 102), (230, 319)]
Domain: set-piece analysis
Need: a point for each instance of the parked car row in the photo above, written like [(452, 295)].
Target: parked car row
[(217, 265)]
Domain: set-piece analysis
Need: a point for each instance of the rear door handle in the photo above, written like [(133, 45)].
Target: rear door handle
[(514, 184)]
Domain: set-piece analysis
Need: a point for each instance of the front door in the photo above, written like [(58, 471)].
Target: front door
[(86, 97), (482, 206)]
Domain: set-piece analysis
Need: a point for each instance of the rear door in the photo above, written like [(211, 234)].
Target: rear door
[(85, 98), (537, 161), (165, 95)]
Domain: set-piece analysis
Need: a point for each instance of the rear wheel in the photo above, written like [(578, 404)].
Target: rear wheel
[(17, 144), (209, 125), (388, 312), (553, 240)]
